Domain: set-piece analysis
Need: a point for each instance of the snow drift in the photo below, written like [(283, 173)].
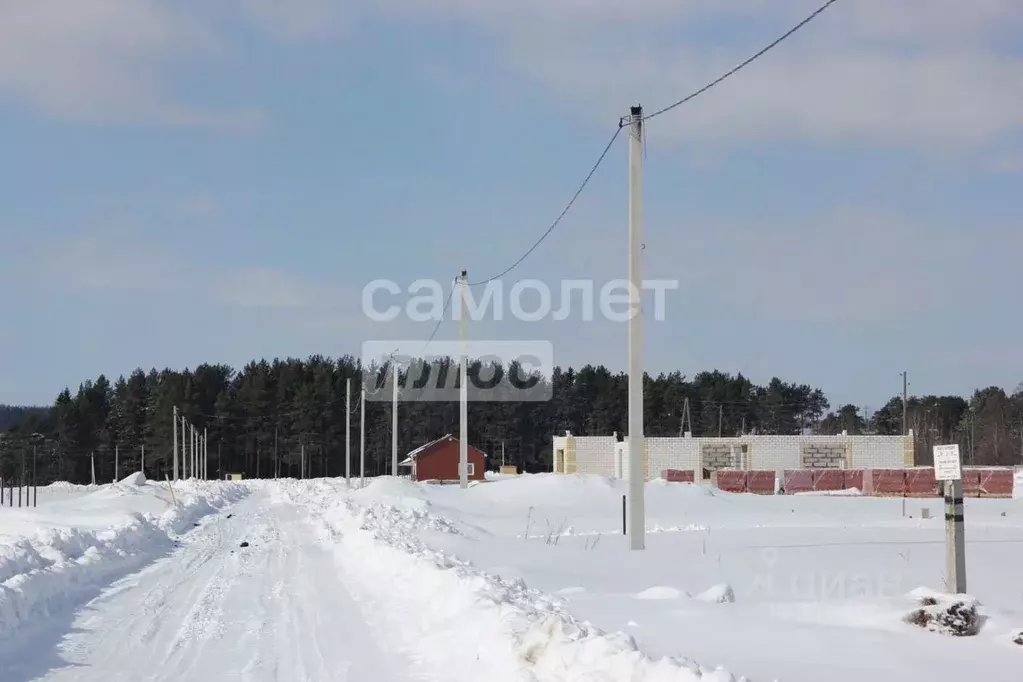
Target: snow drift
[(517, 633), (54, 556)]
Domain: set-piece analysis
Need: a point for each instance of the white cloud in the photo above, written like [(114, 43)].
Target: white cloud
[(200, 206), (270, 288), (854, 265), (911, 73), (294, 20), (105, 263), (898, 72), (108, 61)]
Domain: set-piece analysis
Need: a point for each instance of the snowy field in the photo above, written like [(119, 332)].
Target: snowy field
[(516, 579)]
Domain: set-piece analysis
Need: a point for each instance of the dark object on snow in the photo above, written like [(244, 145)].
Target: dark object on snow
[(230, 515), (196, 525), (956, 617), (244, 544)]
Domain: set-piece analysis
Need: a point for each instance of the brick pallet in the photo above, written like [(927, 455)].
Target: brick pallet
[(678, 476), (920, 482), (828, 480), (729, 480), (760, 482), (884, 482), (797, 481)]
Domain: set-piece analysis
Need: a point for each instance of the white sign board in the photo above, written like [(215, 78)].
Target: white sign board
[(947, 465)]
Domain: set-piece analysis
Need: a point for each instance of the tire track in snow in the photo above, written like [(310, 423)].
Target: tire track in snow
[(276, 611)]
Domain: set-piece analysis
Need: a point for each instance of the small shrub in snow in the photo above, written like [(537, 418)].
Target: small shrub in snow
[(1017, 637), (956, 617), (718, 594)]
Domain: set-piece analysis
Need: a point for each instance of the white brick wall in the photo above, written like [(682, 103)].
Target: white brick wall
[(597, 455)]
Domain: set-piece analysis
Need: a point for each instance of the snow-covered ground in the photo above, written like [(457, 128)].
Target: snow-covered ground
[(788, 587), (516, 579)]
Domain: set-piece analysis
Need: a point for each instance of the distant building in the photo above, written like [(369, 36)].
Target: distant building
[(609, 456), (438, 461)]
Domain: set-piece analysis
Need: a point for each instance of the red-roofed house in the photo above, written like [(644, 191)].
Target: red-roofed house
[(438, 461)]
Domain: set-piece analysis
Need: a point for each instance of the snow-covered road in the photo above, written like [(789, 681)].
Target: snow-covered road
[(212, 610)]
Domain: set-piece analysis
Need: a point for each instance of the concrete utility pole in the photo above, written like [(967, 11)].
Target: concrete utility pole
[(184, 456), (955, 537), (637, 449), (92, 465), (205, 455), (142, 459), (175, 430), (463, 409), (948, 471), (117, 462), (348, 432), (394, 417), (301, 473), (905, 404), (362, 437)]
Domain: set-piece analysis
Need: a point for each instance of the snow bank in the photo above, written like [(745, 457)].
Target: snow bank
[(396, 492), (52, 557), (516, 632)]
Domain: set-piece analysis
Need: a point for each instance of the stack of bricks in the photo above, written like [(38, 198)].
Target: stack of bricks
[(920, 482), (797, 481), (829, 480), (853, 479), (822, 456), (884, 482), (678, 476), (996, 482), (730, 480), (971, 482), (760, 482), (718, 456)]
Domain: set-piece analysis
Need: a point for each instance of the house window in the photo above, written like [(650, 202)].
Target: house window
[(470, 468)]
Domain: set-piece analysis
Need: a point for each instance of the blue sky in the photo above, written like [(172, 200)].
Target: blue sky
[(218, 181)]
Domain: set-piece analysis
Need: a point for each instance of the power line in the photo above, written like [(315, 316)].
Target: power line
[(758, 55), (561, 216), (621, 123), (436, 328)]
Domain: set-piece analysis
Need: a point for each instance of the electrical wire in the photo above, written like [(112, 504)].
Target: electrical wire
[(561, 216), (436, 328), (740, 67), (820, 10)]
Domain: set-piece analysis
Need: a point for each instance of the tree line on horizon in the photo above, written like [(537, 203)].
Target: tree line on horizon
[(261, 419)]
